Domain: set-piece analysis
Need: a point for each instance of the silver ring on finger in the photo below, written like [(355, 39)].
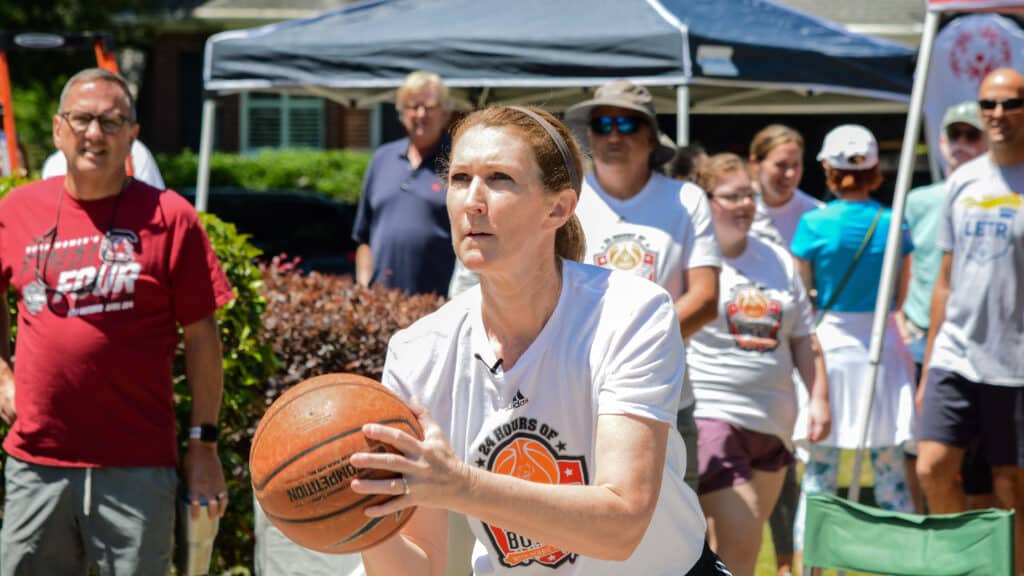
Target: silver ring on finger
[(405, 486)]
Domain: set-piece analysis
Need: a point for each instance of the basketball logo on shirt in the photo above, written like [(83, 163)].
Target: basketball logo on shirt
[(530, 457), (629, 253), (987, 226), (754, 319)]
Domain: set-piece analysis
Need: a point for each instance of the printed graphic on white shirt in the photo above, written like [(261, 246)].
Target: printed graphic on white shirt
[(518, 401), (528, 449), (987, 226), (754, 318), (630, 253), (83, 276)]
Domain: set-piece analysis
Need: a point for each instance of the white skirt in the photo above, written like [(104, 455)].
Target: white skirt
[(845, 339)]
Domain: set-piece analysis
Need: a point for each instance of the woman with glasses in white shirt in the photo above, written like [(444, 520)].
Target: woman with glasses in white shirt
[(741, 365)]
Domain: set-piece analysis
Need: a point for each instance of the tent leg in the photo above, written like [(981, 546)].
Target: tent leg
[(682, 115), (205, 151), (891, 263)]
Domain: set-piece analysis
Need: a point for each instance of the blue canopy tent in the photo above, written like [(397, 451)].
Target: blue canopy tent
[(697, 55)]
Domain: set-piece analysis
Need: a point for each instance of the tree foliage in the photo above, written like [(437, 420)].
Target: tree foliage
[(63, 15)]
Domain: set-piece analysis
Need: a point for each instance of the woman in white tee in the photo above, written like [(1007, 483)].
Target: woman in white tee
[(741, 366), (548, 391), (777, 159), (777, 162)]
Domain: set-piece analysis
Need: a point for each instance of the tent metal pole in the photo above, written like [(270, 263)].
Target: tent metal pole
[(205, 151), (934, 165), (682, 115), (891, 263)]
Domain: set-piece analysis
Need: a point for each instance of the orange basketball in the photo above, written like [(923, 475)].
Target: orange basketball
[(527, 459), (300, 462)]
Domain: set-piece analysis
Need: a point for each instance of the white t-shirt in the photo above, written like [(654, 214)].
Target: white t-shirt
[(144, 166), (741, 364), (658, 234), (611, 346), (983, 226), (778, 223)]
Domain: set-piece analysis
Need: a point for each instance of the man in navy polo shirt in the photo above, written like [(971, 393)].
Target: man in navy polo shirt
[(402, 224)]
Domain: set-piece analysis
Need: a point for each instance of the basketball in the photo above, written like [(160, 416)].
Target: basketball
[(300, 462)]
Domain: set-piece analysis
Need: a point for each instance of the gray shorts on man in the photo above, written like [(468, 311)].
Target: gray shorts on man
[(64, 520)]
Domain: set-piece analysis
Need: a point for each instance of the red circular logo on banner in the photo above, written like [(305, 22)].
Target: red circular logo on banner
[(976, 53)]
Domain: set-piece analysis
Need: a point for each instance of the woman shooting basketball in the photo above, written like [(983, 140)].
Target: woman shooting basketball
[(549, 392)]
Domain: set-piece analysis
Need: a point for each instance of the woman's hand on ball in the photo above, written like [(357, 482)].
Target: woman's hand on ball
[(430, 468)]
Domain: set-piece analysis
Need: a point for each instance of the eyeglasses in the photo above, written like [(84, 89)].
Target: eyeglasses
[(427, 106), (969, 133), (80, 121), (735, 198), (1008, 104), (624, 124)]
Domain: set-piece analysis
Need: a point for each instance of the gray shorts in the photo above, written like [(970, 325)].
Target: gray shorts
[(687, 427), (119, 521)]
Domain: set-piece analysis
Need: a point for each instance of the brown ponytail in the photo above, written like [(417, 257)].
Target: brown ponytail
[(570, 243)]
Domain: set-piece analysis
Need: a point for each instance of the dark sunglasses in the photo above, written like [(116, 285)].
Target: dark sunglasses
[(969, 133), (1007, 104), (624, 124)]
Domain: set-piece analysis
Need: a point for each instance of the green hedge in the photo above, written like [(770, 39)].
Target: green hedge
[(336, 173)]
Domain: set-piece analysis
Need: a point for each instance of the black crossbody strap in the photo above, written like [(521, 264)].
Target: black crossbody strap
[(853, 265)]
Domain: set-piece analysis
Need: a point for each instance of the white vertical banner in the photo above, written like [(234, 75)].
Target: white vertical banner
[(965, 52)]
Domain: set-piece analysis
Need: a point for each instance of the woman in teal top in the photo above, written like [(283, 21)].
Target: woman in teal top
[(825, 246)]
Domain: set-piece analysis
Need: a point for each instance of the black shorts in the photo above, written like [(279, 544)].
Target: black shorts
[(976, 472), (709, 564), (957, 411)]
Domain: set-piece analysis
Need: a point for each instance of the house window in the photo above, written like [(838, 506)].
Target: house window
[(281, 121)]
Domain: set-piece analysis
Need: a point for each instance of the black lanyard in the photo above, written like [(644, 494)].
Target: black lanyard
[(52, 233)]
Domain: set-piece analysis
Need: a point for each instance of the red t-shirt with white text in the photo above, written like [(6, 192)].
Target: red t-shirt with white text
[(98, 306)]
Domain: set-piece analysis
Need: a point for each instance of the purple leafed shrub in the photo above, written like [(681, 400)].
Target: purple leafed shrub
[(317, 324)]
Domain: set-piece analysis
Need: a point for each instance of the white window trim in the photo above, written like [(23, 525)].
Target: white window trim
[(285, 103)]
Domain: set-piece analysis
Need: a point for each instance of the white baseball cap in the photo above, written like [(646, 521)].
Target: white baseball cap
[(850, 147)]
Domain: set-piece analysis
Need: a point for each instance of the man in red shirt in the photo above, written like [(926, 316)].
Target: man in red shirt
[(105, 268)]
